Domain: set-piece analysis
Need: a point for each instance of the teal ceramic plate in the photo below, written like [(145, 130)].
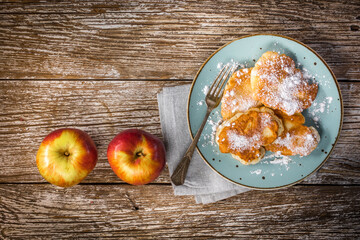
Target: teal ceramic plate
[(325, 114)]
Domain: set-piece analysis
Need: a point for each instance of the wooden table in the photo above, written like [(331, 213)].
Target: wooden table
[(98, 65)]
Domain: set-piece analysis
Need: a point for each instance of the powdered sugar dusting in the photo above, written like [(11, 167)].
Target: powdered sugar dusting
[(232, 64), (205, 90), (320, 107), (282, 161), (237, 96), (239, 141), (200, 103), (298, 144), (284, 93), (257, 171), (213, 122), (324, 82), (329, 99), (278, 159), (239, 103)]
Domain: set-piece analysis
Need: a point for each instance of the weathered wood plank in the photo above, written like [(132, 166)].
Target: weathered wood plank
[(102, 6), (162, 40), (122, 211), (29, 110)]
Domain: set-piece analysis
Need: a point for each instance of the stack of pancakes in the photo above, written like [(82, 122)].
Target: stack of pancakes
[(261, 108)]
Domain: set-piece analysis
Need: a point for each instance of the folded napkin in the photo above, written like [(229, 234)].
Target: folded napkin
[(201, 181)]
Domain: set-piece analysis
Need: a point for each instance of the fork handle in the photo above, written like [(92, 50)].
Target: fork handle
[(178, 176)]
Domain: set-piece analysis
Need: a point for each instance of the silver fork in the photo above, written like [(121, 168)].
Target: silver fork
[(212, 100)]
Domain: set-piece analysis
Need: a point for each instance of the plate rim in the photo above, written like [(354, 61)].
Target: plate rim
[(338, 89)]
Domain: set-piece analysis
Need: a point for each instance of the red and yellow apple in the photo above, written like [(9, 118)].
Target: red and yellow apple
[(136, 156), (66, 156)]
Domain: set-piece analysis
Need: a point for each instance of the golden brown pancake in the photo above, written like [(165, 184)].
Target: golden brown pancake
[(238, 94), (297, 138), (278, 84), (245, 134)]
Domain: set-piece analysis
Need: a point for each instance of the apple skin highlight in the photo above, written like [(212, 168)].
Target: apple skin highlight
[(136, 156), (66, 156)]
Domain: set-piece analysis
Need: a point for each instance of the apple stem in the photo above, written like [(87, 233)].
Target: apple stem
[(67, 153), (139, 154)]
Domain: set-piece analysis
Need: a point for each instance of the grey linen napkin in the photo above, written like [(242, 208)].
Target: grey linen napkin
[(201, 181)]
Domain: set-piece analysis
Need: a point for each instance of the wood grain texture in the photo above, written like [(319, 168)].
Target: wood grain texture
[(30, 211), (32, 109), (162, 40)]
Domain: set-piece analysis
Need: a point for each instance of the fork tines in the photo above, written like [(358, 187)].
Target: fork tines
[(221, 78)]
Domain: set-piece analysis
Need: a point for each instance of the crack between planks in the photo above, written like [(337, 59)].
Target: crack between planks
[(169, 184), (132, 80), (94, 183), (101, 79)]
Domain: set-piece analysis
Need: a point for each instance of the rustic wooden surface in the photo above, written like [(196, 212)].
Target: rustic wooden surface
[(98, 65), (153, 212), (146, 40)]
